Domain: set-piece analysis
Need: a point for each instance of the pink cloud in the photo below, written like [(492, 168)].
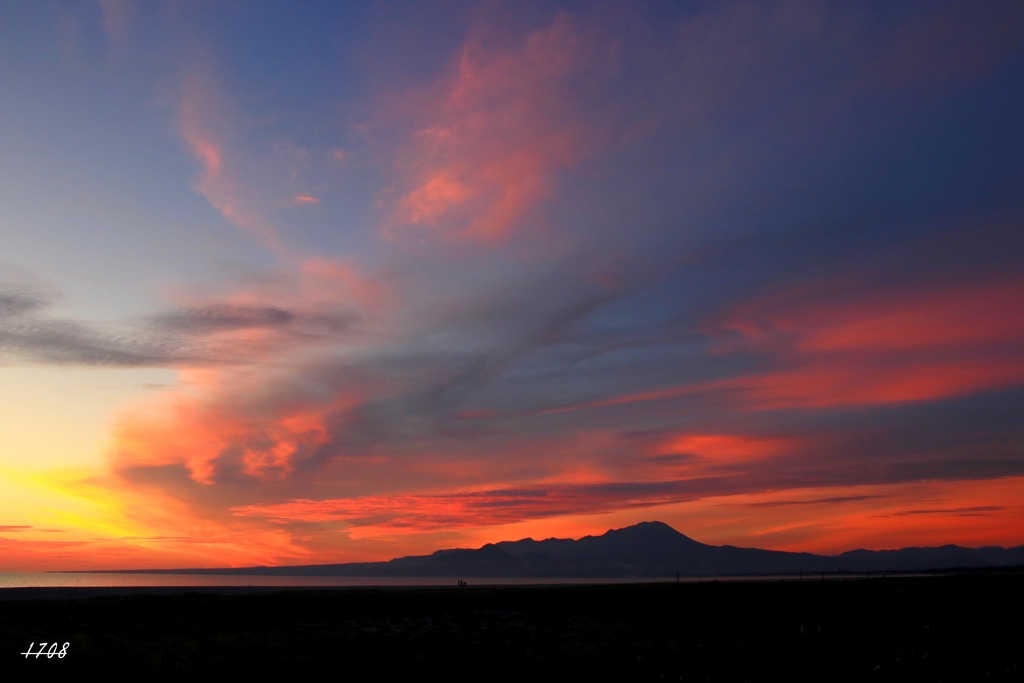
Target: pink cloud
[(204, 127), (117, 18), (489, 145), (244, 182)]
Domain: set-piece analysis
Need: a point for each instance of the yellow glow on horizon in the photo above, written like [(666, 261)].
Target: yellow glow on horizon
[(52, 416), (55, 430)]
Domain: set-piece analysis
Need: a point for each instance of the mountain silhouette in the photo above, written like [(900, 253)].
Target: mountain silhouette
[(644, 549)]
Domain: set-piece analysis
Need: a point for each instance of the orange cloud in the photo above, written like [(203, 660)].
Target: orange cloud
[(967, 316), (305, 199), (830, 385), (178, 429), (970, 513), (419, 513), (577, 489), (908, 346), (243, 415), (816, 519)]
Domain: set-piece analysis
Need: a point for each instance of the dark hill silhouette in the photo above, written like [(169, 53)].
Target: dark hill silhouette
[(645, 549)]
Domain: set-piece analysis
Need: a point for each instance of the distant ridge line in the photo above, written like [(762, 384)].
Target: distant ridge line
[(647, 549)]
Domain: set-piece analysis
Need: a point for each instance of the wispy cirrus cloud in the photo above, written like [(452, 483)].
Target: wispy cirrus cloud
[(207, 126), (245, 181), (489, 143)]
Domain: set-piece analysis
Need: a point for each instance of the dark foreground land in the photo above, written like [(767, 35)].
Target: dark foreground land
[(954, 628)]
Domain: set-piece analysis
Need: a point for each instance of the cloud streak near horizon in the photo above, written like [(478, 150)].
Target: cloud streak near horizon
[(542, 264)]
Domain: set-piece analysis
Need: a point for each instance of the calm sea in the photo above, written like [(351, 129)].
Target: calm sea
[(73, 580)]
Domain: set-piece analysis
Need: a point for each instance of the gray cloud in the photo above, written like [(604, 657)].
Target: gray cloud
[(65, 342), (964, 511), (818, 501), (14, 302), (221, 318), (30, 331)]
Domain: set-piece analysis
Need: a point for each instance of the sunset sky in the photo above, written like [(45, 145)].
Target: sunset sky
[(291, 283)]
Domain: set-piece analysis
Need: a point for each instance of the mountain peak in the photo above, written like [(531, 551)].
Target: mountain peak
[(648, 527), (648, 531)]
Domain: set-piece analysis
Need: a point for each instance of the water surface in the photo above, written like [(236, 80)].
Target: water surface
[(112, 580)]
